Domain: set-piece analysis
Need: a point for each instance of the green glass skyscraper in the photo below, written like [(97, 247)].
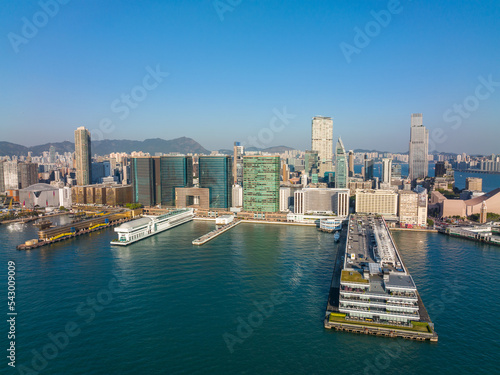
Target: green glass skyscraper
[(261, 183), (341, 169), (216, 174)]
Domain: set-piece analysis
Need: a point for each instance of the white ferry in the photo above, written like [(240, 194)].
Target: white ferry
[(148, 226)]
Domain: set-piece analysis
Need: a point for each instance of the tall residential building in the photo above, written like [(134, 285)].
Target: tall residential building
[(261, 183), (351, 163), (322, 142), (285, 172), (340, 166), (216, 174), (83, 156), (2, 181), (11, 175), (238, 164), (419, 148), (28, 174), (386, 170)]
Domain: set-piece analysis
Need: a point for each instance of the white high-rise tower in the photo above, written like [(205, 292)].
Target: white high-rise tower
[(322, 142)]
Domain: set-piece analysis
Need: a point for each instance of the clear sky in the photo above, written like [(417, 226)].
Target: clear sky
[(256, 71)]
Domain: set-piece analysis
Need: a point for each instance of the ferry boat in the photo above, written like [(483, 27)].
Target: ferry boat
[(148, 226), (330, 225), (336, 237)]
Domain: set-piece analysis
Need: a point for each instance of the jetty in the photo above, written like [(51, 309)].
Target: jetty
[(63, 232), (216, 232), (372, 291)]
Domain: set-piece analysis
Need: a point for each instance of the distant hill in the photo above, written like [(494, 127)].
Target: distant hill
[(182, 145)]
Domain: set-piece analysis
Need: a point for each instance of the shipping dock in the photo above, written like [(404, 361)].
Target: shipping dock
[(372, 292)]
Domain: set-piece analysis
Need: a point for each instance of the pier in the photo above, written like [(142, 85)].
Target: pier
[(484, 235), (64, 232), (216, 232), (371, 291)]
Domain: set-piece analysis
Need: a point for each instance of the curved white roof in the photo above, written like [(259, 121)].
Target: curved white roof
[(135, 223)]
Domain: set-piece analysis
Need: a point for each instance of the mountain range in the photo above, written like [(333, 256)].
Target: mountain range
[(182, 145)]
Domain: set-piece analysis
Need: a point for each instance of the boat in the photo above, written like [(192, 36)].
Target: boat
[(149, 225), (336, 237), (44, 224), (330, 225)]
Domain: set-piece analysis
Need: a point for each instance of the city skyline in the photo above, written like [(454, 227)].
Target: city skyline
[(252, 85)]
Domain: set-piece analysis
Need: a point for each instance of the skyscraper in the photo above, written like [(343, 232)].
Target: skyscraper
[(28, 174), (82, 156), (154, 179), (11, 175), (419, 148), (2, 182), (386, 170), (369, 169), (261, 183), (340, 166), (142, 178), (216, 174), (351, 163), (238, 164), (52, 154), (172, 172), (322, 142)]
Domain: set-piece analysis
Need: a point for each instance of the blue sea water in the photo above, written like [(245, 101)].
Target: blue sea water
[(251, 301)]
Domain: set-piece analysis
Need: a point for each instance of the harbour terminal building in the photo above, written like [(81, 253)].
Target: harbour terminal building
[(375, 285)]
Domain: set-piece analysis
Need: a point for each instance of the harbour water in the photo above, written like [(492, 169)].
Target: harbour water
[(250, 301)]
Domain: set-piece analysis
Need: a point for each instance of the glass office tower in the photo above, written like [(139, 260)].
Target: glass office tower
[(261, 183), (216, 174)]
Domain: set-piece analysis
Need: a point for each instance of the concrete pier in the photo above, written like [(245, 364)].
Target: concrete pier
[(216, 232)]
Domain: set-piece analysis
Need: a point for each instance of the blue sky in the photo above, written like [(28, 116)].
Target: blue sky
[(231, 70)]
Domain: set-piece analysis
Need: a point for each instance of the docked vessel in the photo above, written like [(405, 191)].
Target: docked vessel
[(148, 226), (336, 237)]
